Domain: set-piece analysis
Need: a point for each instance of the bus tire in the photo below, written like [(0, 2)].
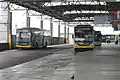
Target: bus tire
[(91, 49), (36, 46), (75, 50), (45, 45)]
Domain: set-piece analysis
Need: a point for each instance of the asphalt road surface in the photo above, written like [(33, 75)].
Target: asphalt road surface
[(14, 57)]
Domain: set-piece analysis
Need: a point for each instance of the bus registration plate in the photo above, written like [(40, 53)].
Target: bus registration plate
[(84, 47)]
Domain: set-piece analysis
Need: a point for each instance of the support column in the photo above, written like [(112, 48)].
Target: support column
[(27, 19), (10, 29), (51, 31), (65, 33), (59, 33), (41, 23), (68, 35), (114, 16), (118, 25), (28, 22)]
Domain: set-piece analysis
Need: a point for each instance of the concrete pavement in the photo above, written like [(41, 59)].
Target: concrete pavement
[(103, 63), (53, 67), (10, 58)]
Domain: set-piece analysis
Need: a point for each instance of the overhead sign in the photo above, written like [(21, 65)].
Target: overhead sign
[(116, 21), (80, 29), (101, 19)]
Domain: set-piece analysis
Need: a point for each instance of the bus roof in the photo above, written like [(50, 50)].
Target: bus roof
[(84, 26), (32, 29)]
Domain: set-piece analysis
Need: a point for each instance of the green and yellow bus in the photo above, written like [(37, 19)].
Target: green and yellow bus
[(32, 38), (83, 37)]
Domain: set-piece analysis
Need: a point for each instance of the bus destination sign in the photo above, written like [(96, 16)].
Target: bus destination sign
[(79, 29)]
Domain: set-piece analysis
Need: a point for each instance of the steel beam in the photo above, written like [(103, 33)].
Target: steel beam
[(78, 7)]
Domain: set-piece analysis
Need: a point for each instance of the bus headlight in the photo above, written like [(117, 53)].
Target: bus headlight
[(30, 43), (76, 45), (16, 43)]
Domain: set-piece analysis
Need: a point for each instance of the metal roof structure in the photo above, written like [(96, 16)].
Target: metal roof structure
[(47, 7)]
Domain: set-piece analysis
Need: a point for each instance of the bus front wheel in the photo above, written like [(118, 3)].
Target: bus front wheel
[(36, 45), (45, 46)]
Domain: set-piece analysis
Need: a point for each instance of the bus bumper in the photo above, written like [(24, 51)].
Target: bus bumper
[(84, 47), (24, 47)]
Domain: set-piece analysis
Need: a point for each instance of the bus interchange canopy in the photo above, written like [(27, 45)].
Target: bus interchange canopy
[(58, 11)]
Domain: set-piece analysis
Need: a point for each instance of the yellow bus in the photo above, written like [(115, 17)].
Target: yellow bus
[(83, 37), (32, 38)]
